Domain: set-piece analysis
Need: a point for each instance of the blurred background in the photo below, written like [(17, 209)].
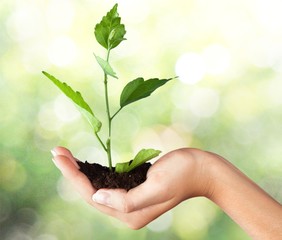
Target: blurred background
[(228, 56)]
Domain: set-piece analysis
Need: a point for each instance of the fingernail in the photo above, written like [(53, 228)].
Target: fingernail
[(54, 153), (103, 198), (54, 161)]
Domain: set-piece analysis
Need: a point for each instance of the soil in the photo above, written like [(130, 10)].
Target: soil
[(103, 177)]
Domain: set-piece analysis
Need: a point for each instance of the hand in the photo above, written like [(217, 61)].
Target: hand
[(175, 177)]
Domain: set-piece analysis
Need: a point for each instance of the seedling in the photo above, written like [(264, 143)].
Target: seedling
[(109, 34)]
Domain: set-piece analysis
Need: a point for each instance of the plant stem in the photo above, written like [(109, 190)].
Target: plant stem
[(108, 148), (101, 142), (115, 114)]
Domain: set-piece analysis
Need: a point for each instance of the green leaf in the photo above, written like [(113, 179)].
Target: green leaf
[(110, 32), (138, 89), (78, 100), (106, 66), (142, 156)]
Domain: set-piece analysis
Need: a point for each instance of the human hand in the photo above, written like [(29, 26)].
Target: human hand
[(175, 177)]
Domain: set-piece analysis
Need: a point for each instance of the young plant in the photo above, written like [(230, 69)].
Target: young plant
[(109, 34)]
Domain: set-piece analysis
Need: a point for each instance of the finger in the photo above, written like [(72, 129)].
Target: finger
[(140, 218), (153, 191), (65, 152), (75, 177)]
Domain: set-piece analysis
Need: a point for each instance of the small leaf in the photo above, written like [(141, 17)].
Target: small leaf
[(138, 89), (110, 32), (106, 66), (78, 100), (142, 156)]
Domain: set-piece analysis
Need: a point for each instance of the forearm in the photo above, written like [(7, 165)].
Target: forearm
[(245, 202)]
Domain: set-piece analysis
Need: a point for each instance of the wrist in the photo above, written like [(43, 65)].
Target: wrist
[(208, 165)]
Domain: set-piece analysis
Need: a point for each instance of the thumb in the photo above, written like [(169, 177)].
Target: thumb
[(114, 198), (153, 191)]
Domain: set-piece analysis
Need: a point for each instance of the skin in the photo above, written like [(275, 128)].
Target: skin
[(175, 177)]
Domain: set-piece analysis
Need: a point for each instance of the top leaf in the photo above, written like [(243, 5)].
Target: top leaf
[(78, 100), (138, 89), (110, 32)]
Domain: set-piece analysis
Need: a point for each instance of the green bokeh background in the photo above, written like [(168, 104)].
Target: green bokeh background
[(228, 56)]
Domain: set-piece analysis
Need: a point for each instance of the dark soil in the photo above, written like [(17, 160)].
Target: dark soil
[(102, 177)]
